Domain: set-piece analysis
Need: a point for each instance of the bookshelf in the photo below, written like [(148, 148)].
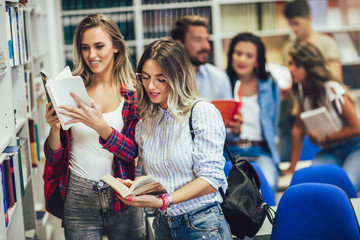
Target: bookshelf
[(153, 19), (25, 48)]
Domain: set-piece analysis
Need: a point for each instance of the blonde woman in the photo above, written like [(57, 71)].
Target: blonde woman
[(103, 140), (314, 86), (191, 170)]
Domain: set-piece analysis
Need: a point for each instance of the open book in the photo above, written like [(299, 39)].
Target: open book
[(144, 185), (58, 92), (319, 120), (227, 107)]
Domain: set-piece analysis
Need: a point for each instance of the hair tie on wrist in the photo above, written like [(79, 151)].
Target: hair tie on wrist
[(169, 198), (164, 202)]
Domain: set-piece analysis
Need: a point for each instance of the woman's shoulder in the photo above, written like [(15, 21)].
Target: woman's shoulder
[(204, 109), (335, 87)]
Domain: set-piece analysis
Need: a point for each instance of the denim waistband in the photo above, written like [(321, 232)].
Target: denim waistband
[(88, 183), (184, 217)]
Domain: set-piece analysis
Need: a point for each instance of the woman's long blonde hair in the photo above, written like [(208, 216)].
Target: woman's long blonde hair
[(177, 69), (123, 71)]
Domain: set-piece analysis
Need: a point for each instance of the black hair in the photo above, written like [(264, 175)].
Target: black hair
[(261, 59), (297, 8)]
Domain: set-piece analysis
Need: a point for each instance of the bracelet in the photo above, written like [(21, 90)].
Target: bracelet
[(164, 202), (169, 198)]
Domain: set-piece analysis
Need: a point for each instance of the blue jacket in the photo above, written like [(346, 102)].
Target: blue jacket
[(269, 102)]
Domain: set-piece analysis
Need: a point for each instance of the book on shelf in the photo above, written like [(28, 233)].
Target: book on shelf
[(58, 90), (144, 185), (348, 50), (5, 197), (33, 148), (319, 120), (227, 108)]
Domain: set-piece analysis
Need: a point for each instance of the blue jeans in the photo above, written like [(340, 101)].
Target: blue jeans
[(347, 155), (262, 158), (88, 213), (204, 223)]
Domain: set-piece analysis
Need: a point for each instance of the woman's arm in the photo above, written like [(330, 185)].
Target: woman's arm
[(297, 139), (351, 123)]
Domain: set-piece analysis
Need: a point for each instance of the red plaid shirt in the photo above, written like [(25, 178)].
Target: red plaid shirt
[(122, 145)]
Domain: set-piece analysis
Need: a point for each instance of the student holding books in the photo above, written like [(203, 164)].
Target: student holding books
[(102, 140), (253, 132), (190, 169), (314, 86)]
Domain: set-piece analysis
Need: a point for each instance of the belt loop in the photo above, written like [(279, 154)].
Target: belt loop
[(186, 218), (220, 208)]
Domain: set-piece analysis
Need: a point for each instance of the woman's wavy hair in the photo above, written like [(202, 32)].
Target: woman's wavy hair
[(177, 69), (309, 56), (260, 71), (123, 71)]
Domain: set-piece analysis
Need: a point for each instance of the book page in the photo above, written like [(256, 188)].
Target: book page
[(119, 187), (59, 92), (154, 188), (141, 181)]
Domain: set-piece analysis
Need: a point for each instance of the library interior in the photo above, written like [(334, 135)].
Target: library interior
[(37, 35)]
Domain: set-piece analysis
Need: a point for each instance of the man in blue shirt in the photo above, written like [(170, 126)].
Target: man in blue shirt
[(192, 34)]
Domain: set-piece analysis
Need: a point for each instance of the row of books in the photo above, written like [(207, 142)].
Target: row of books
[(158, 23), (93, 4), (8, 185), (145, 2), (334, 13), (349, 45), (124, 20), (16, 35), (253, 17)]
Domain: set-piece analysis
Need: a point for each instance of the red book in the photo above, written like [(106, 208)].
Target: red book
[(227, 108)]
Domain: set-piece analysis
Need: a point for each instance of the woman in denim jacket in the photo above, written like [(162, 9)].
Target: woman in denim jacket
[(253, 132)]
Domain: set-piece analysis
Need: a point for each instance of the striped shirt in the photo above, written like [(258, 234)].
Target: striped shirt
[(168, 153)]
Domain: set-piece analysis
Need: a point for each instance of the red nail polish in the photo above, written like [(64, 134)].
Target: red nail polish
[(130, 199)]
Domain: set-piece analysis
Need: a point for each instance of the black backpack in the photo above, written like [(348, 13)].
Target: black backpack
[(243, 205)]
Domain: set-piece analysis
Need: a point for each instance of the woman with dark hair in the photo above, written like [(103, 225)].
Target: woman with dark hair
[(253, 132), (314, 86), (190, 168)]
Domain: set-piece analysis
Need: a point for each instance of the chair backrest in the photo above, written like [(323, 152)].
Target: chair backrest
[(266, 191), (315, 211), (331, 174)]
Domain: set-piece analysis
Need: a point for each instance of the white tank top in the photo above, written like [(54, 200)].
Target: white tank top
[(250, 110), (87, 157)]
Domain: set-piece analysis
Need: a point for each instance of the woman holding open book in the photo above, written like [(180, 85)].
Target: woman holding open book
[(102, 142), (314, 87), (254, 136), (190, 169)]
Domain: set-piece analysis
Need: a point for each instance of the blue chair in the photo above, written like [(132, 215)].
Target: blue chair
[(265, 188), (309, 150), (266, 192), (315, 211), (327, 173)]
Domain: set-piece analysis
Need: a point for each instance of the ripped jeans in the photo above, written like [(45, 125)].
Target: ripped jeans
[(204, 223)]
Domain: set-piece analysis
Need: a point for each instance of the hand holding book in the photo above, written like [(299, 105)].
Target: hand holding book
[(145, 185)]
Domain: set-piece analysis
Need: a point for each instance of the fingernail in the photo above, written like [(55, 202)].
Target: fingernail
[(129, 199)]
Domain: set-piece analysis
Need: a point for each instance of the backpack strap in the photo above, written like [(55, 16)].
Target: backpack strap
[(226, 146)]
